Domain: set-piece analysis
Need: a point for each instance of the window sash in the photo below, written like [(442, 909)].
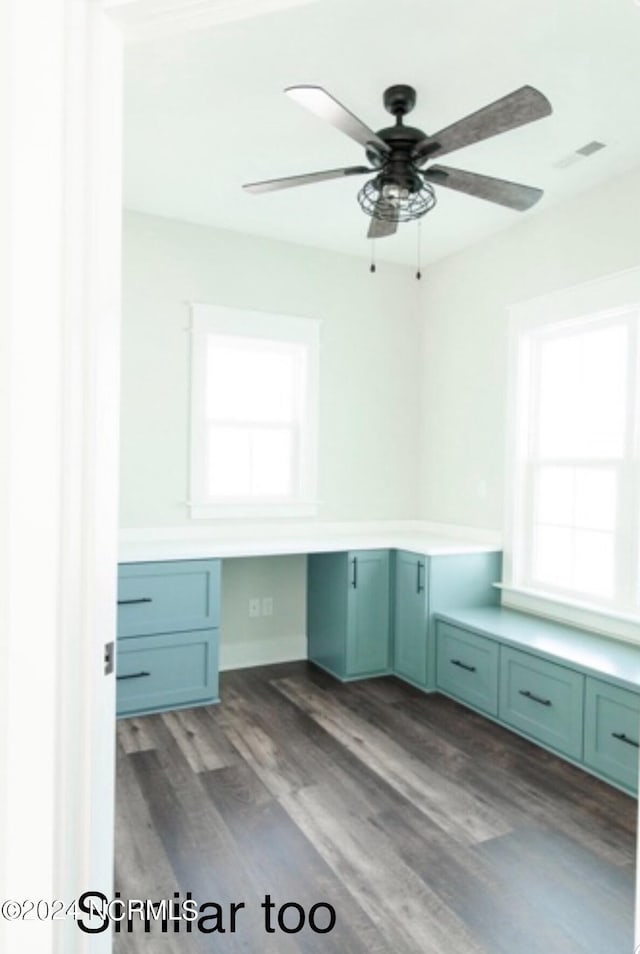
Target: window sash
[(298, 336), (529, 464)]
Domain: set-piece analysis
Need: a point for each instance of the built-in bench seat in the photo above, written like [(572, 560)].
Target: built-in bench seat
[(572, 691)]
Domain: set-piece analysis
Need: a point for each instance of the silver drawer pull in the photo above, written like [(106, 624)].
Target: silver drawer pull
[(134, 675), (458, 662), (625, 738), (534, 698), (141, 599)]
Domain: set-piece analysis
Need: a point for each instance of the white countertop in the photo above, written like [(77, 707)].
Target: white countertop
[(191, 543)]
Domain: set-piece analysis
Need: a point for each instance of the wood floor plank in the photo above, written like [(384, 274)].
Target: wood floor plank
[(568, 888), (269, 839), (406, 910), (204, 856), (248, 732), (133, 736), (465, 817), (429, 828), (202, 743), (530, 782)]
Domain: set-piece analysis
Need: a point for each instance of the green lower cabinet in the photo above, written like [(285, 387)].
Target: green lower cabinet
[(166, 672), (348, 612), (410, 618), (424, 585), (167, 648), (543, 700), (467, 667), (612, 732)]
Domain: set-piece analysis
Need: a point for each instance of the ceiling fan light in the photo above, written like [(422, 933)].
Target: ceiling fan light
[(397, 195), (390, 202)]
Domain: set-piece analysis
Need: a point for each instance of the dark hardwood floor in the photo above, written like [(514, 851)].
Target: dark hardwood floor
[(427, 828)]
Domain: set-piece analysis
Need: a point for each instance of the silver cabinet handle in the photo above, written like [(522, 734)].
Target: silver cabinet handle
[(134, 675), (419, 583), (354, 574), (141, 599)]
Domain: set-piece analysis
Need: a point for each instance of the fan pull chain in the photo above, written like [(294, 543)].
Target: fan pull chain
[(419, 250), (372, 267)]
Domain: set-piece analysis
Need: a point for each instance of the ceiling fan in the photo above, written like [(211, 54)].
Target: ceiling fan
[(401, 190)]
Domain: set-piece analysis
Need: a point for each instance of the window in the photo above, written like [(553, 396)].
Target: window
[(253, 415), (576, 499)]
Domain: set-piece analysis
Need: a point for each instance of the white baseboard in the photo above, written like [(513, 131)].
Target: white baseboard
[(262, 652)]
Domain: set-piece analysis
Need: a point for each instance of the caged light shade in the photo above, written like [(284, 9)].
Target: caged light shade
[(390, 202)]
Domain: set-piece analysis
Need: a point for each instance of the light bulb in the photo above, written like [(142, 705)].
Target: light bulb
[(394, 194)]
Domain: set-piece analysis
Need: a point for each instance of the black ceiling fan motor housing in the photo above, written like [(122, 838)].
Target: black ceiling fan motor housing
[(397, 165)]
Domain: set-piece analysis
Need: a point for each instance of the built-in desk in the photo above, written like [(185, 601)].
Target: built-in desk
[(393, 599), (169, 594)]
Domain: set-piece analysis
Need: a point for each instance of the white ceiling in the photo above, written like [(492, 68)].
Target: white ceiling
[(205, 111)]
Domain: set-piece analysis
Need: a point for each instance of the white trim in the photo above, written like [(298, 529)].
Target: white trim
[(623, 626), (58, 522), (608, 299), (303, 335)]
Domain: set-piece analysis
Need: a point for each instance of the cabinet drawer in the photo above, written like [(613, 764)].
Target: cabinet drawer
[(167, 597), (158, 672), (542, 699), (467, 667), (611, 731)]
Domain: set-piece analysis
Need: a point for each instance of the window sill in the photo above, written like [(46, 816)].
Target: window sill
[(609, 622)]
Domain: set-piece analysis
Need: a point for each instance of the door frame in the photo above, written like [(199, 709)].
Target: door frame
[(60, 230), (60, 220)]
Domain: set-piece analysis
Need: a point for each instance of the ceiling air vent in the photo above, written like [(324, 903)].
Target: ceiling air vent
[(583, 152)]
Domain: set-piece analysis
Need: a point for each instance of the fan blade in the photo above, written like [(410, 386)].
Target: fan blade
[(271, 185), (380, 228), (511, 194), (318, 101), (522, 106)]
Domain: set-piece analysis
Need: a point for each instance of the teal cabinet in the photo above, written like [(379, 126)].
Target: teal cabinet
[(543, 700), (348, 612), (467, 667), (574, 692), (167, 648), (410, 618), (425, 585), (169, 671), (612, 731), (168, 596)]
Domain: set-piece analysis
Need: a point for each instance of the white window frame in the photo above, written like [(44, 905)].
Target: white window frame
[(608, 299), (209, 320)]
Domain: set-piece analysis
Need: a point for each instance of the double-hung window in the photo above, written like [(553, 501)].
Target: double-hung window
[(253, 413), (575, 484)]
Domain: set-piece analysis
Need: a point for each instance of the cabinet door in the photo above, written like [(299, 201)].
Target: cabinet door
[(368, 612), (543, 699), (168, 597), (161, 672), (467, 667), (611, 731), (410, 618)]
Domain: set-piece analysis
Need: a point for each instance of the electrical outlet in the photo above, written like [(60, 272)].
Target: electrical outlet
[(254, 607), (267, 606)]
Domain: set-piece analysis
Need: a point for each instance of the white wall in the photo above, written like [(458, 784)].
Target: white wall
[(369, 365), (465, 301), (369, 393)]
